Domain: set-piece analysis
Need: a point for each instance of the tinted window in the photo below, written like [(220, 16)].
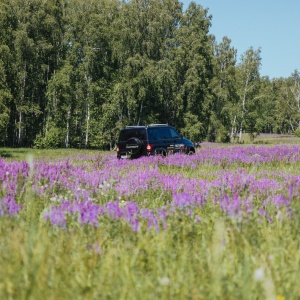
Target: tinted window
[(165, 133), (126, 134), (153, 134), (174, 133)]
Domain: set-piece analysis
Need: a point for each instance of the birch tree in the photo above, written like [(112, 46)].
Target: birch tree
[(247, 85), (5, 97), (196, 51), (295, 89), (224, 92)]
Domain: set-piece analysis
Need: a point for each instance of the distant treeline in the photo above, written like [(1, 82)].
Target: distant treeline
[(72, 73)]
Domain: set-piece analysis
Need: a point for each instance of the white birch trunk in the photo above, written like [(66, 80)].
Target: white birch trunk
[(243, 109), (233, 129), (20, 133), (68, 127), (20, 127), (296, 93), (87, 125)]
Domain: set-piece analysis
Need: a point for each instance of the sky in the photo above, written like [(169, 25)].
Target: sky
[(271, 25)]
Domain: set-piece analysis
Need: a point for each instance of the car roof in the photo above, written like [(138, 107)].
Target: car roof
[(147, 126)]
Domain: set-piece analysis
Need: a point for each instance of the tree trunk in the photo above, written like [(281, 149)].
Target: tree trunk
[(20, 132), (140, 113), (243, 110), (87, 126), (20, 128), (233, 130), (68, 127)]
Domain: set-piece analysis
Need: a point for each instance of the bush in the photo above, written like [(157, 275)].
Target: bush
[(53, 139), (297, 132), (222, 135)]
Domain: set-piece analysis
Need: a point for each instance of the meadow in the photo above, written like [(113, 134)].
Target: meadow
[(220, 224)]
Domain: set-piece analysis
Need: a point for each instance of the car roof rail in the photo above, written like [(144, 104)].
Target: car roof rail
[(158, 125), (135, 126)]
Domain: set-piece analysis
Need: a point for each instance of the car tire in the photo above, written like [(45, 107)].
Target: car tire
[(160, 152), (134, 148)]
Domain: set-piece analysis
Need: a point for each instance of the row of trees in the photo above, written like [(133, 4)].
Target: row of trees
[(72, 73)]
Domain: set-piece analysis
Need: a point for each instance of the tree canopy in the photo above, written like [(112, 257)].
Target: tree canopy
[(73, 73)]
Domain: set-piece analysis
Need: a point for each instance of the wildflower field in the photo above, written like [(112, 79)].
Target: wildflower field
[(220, 224)]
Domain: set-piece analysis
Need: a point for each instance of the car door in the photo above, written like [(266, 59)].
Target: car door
[(154, 138), (167, 139), (176, 140)]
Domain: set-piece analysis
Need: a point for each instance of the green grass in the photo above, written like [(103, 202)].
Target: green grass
[(11, 154), (220, 258), (273, 139), (217, 260)]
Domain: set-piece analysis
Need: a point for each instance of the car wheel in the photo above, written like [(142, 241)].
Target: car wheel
[(160, 152), (134, 148)]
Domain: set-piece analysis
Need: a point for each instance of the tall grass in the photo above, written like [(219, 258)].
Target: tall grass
[(201, 248)]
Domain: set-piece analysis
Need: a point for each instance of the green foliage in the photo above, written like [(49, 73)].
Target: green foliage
[(248, 83), (53, 138), (193, 127), (217, 132), (222, 134), (90, 68), (5, 97), (297, 132), (224, 88)]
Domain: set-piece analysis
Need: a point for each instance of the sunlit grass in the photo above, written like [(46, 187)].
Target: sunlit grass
[(11, 154), (201, 254)]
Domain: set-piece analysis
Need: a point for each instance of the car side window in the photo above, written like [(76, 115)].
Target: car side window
[(166, 133), (153, 134), (174, 133)]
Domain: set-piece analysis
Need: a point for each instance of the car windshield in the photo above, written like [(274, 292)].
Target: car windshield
[(126, 134)]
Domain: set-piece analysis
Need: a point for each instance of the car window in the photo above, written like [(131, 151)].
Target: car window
[(153, 134), (174, 133), (165, 133), (126, 134)]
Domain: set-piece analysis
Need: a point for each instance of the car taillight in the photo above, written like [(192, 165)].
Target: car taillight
[(118, 149), (149, 147)]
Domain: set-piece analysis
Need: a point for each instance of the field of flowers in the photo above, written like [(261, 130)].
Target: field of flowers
[(220, 224)]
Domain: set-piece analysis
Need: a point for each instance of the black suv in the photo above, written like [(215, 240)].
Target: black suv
[(155, 139)]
